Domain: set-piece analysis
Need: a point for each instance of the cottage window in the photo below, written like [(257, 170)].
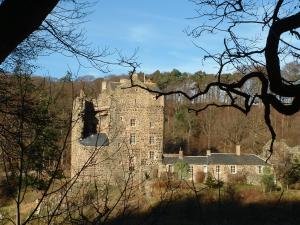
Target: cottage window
[(169, 168), (132, 122), (151, 155), (132, 139), (218, 169), (151, 124), (259, 169), (233, 169), (191, 169), (205, 168), (121, 118), (151, 140)]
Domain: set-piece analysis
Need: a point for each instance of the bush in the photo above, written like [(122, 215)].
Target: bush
[(268, 182), (182, 169), (199, 177), (231, 193), (211, 182)]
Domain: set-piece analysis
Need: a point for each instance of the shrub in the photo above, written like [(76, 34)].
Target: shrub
[(211, 182), (231, 193), (268, 182), (182, 169)]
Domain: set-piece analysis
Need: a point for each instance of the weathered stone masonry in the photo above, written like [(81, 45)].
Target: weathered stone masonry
[(119, 132)]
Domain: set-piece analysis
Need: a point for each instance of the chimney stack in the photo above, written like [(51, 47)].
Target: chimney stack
[(180, 154), (208, 152), (238, 150)]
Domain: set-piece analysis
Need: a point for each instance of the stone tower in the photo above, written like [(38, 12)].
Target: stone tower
[(118, 133)]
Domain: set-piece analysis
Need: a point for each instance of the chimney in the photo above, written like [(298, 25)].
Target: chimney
[(180, 154), (103, 87), (208, 152), (238, 150)]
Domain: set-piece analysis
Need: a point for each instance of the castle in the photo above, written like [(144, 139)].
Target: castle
[(118, 133)]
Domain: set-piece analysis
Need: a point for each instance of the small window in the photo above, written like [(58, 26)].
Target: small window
[(132, 122), (151, 140), (132, 139), (205, 168), (119, 145), (233, 169), (151, 124), (151, 155), (218, 169), (169, 168), (259, 170), (191, 169), (121, 118)]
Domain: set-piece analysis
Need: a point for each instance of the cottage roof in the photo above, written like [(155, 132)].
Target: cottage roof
[(95, 140), (218, 159), (196, 160), (233, 159)]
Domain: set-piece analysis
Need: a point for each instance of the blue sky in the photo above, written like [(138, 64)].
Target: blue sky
[(154, 27)]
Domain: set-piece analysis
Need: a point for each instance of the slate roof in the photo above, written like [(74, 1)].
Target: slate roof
[(218, 159), (95, 140), (196, 160)]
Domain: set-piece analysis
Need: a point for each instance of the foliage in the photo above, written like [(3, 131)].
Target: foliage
[(211, 182), (292, 175), (182, 169), (268, 180)]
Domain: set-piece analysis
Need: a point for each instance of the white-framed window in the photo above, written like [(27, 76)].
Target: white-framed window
[(259, 169), (151, 140), (205, 168), (132, 139), (191, 169), (151, 124), (218, 169), (233, 169), (170, 168), (132, 122), (151, 155)]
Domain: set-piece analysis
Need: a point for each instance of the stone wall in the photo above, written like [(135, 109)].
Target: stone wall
[(121, 113)]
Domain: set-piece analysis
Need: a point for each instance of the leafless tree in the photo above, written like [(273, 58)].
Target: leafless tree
[(35, 28), (257, 57)]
